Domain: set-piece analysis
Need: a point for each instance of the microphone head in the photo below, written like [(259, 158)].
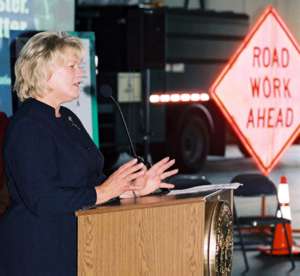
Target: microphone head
[(105, 91)]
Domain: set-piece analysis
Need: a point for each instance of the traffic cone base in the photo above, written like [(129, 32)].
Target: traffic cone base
[(280, 244), (279, 251)]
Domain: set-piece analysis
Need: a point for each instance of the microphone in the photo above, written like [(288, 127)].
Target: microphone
[(106, 92)]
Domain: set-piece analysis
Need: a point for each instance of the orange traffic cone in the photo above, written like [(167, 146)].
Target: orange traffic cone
[(282, 237)]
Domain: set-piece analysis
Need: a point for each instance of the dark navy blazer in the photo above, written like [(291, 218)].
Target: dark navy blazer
[(52, 167)]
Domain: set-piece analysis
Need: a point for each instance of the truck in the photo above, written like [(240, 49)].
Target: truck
[(160, 63)]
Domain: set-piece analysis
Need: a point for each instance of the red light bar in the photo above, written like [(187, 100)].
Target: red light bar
[(178, 97)]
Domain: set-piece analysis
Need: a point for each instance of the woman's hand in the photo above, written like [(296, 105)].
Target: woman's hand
[(120, 181), (152, 179)]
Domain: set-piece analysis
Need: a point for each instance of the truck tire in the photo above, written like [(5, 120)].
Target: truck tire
[(192, 145)]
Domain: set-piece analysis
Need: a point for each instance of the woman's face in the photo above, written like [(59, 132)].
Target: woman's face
[(65, 79)]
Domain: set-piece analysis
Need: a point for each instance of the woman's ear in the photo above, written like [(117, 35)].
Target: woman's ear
[(50, 73), (48, 83), (49, 79)]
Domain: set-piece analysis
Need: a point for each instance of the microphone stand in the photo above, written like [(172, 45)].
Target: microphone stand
[(133, 152)]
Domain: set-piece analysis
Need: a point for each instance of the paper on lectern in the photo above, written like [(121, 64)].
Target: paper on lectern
[(205, 188)]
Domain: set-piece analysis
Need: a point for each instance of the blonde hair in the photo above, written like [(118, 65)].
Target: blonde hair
[(33, 65)]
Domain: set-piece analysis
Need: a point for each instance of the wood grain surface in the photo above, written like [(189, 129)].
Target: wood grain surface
[(157, 239)]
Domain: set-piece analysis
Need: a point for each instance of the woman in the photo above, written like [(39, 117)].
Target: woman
[(52, 165)]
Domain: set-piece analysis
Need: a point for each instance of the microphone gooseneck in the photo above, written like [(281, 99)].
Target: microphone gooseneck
[(106, 92), (126, 128)]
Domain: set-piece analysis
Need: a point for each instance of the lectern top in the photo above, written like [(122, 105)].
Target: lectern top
[(146, 202)]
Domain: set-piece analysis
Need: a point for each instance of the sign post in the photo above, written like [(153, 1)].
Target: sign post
[(259, 90)]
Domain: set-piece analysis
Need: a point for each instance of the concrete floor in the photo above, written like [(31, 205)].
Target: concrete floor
[(261, 265)]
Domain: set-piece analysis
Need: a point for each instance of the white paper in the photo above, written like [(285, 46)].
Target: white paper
[(205, 188)]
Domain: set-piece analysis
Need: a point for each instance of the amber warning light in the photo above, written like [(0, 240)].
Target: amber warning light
[(259, 90), (178, 97)]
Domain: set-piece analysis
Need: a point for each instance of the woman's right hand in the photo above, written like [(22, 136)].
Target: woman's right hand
[(119, 182)]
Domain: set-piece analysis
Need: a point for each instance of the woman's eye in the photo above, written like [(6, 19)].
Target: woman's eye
[(75, 65)]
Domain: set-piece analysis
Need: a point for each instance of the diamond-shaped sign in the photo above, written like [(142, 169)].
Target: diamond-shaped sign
[(259, 90)]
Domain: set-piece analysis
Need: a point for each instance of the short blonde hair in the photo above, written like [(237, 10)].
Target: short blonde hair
[(33, 65)]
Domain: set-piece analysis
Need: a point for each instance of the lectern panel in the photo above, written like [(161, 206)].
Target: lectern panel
[(159, 241)]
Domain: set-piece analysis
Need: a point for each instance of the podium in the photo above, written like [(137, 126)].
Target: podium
[(158, 235)]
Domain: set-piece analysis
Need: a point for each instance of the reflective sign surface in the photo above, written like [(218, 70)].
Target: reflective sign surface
[(259, 90)]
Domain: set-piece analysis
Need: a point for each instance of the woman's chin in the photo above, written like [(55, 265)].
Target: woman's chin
[(71, 98), (75, 95)]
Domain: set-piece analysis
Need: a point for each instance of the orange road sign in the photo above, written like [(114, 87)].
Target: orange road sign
[(259, 90)]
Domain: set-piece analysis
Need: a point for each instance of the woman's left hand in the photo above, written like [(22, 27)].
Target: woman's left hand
[(152, 179)]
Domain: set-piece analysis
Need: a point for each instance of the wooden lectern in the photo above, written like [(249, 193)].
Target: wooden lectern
[(153, 235)]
